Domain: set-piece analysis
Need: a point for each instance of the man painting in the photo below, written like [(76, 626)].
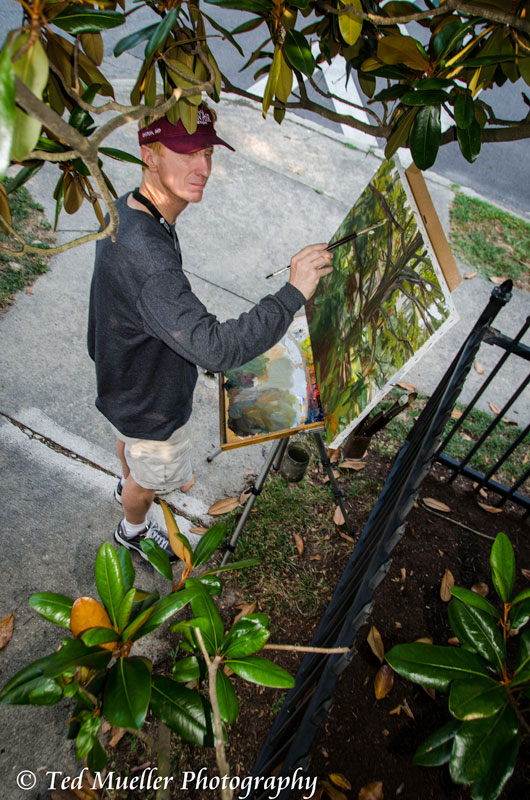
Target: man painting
[(148, 331)]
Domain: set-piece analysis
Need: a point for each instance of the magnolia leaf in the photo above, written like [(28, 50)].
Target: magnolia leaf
[(350, 26), (424, 639), (502, 561), (490, 509), (272, 80), (6, 629), (494, 408), (425, 135), (52, 607), (478, 367), (337, 779), (299, 543), (32, 69), (437, 505), (177, 545), (89, 613), (298, 52), (409, 387), (127, 693), (92, 44), (223, 506), (470, 140), (332, 792), (436, 749), (346, 537), (446, 585), (356, 465), (397, 49), (372, 791), (481, 588), (338, 516), (384, 681), (198, 529), (375, 643), (478, 743), (469, 275)]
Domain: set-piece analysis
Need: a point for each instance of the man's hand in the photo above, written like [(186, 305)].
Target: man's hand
[(308, 266)]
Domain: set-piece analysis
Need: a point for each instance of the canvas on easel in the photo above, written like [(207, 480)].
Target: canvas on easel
[(385, 303)]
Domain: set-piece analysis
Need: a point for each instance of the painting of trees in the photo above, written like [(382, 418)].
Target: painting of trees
[(382, 304)]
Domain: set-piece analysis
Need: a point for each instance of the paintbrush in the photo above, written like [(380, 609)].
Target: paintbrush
[(349, 238)]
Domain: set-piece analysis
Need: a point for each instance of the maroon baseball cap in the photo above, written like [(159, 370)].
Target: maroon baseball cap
[(177, 138)]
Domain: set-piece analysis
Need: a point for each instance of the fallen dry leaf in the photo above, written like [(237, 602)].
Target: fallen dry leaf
[(526, 574), (396, 710), (490, 509), (446, 585), (346, 537), (406, 708), (430, 692), (224, 506), (466, 437), (334, 455), (336, 474), (424, 640), (372, 791), (338, 517), (299, 543), (243, 497), (483, 493), (453, 641), (456, 414), (481, 588), (6, 629), (509, 421), (248, 608), (315, 558), (408, 386), (356, 465), (375, 643), (198, 529), (384, 681), (29, 291), (469, 275), (494, 408), (437, 505), (332, 792), (497, 279), (339, 780), (398, 625), (117, 736), (478, 367)]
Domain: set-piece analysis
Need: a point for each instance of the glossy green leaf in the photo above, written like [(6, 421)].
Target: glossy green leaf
[(127, 693), (7, 108), (166, 608), (247, 636), (124, 555), (76, 19), (491, 786), (226, 697), (502, 560), (477, 629), (94, 636), (212, 584), (434, 666), (257, 669), (97, 757), (432, 83), (522, 664), (392, 93), (474, 599), (209, 543), (298, 52), (109, 580), (424, 97), (253, 6), (436, 749), (226, 34), (478, 698), (160, 34), (470, 141), (74, 653), (479, 743), (367, 83), (121, 155), (205, 627), (184, 711), (124, 612), (486, 61), (32, 69), (464, 110), (129, 42), (247, 562), (400, 133), (520, 596), (87, 735), (55, 608), (158, 558), (187, 669), (22, 176), (45, 692), (519, 615), (442, 42), (425, 136), (203, 606), (32, 672), (135, 624)]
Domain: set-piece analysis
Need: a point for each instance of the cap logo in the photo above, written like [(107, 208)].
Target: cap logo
[(203, 117)]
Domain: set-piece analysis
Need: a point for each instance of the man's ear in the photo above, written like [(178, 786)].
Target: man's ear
[(147, 156)]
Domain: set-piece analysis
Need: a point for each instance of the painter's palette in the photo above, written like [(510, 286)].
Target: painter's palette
[(274, 395)]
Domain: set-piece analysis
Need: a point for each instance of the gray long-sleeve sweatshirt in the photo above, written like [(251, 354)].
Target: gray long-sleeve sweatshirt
[(147, 331)]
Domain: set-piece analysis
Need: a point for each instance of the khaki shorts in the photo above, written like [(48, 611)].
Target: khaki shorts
[(162, 466)]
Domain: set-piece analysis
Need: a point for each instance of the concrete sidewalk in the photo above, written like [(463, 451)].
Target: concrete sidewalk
[(286, 186)]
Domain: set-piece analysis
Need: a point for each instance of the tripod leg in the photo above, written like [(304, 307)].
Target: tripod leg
[(213, 455), (256, 491), (280, 454), (338, 494)]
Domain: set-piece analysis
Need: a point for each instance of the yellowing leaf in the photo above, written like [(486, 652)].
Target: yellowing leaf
[(338, 517), (299, 543), (334, 455), (32, 69), (490, 509), (469, 275), (89, 613), (372, 791), (494, 408), (178, 546), (223, 506), (339, 780), (285, 80), (356, 465), (446, 585), (384, 681), (397, 49), (332, 792), (478, 367), (6, 629), (350, 26), (375, 643), (437, 505)]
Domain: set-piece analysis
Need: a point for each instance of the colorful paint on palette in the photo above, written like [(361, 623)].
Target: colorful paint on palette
[(277, 390)]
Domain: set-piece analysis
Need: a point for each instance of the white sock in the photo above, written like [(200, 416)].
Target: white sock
[(122, 481), (133, 530)]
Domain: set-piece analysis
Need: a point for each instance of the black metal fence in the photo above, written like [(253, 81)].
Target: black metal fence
[(287, 747)]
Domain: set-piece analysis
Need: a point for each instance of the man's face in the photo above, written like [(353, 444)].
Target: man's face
[(183, 176)]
